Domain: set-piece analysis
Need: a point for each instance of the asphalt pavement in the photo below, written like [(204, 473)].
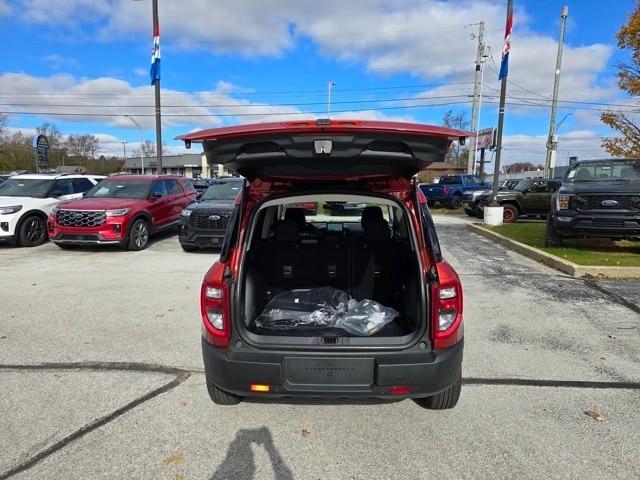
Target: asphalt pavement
[(101, 377)]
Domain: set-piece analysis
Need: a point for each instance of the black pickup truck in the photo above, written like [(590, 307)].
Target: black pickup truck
[(597, 199)]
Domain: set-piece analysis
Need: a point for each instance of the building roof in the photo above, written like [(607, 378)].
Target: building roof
[(168, 161), (444, 166)]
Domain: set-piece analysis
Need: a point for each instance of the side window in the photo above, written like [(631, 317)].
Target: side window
[(159, 188), (64, 186), (81, 185), (539, 187), (172, 187)]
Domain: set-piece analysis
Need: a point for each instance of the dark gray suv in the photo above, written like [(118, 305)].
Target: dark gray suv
[(204, 223)]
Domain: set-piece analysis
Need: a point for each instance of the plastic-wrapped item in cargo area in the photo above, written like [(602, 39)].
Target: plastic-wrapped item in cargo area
[(322, 308)]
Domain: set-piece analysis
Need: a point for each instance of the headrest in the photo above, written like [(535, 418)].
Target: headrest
[(297, 215), (377, 231), (583, 174), (287, 231), (370, 214)]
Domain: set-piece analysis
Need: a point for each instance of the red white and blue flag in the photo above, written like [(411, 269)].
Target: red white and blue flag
[(504, 66), (155, 56)]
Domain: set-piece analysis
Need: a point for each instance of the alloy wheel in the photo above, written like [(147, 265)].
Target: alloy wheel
[(140, 235)]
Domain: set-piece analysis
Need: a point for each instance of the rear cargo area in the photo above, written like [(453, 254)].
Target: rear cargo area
[(327, 275)]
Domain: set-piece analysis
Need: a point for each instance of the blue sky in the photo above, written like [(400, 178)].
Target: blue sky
[(270, 57)]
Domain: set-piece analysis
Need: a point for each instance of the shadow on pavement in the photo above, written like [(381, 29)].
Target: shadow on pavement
[(240, 463)]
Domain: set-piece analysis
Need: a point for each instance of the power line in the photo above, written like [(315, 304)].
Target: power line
[(257, 114), (240, 105), (274, 92)]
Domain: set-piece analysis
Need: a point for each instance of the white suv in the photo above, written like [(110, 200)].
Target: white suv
[(26, 202)]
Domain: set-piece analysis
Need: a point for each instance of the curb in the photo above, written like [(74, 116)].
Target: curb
[(558, 263)]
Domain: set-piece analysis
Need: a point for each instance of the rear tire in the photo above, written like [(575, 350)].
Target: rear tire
[(220, 397), (456, 202), (552, 238), (32, 231), (480, 211), (443, 400), (431, 203), (470, 213), (138, 235), (510, 214)]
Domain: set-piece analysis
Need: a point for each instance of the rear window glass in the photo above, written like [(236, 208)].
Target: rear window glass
[(449, 180)]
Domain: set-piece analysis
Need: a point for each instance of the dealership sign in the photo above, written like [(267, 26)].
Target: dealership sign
[(485, 139), (41, 144)]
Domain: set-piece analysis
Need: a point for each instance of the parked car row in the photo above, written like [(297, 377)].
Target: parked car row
[(123, 210), (595, 199)]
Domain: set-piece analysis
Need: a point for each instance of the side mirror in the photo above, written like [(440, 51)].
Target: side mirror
[(57, 193), (155, 195)]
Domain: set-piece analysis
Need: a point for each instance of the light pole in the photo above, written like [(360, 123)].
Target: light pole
[(551, 139), (139, 127), (329, 85), (124, 148)]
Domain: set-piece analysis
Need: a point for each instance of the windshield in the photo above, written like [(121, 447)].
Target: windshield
[(604, 172), (222, 191), (120, 189), (25, 187), (521, 186)]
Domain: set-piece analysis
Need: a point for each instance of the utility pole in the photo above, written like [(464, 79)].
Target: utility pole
[(504, 71), (477, 93), (156, 38), (552, 140), (329, 85), (124, 148)]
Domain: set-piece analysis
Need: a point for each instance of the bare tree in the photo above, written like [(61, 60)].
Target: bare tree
[(82, 146), (148, 149), (457, 154)]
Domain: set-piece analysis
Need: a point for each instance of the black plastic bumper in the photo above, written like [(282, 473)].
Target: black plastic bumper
[(606, 226), (192, 237), (332, 375)]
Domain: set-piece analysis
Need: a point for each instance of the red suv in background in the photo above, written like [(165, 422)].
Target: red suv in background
[(123, 210)]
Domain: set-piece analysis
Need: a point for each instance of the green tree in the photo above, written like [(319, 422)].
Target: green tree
[(627, 144)]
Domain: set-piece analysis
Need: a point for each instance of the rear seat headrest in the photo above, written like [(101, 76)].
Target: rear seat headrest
[(297, 215), (369, 215), (377, 231), (287, 231)]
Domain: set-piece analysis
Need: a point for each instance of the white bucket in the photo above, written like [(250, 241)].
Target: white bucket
[(493, 215)]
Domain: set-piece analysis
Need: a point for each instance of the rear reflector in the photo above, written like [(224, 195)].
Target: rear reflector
[(400, 389), (258, 387)]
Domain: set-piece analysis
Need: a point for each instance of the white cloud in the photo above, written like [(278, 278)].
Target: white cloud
[(5, 8), (585, 144), (431, 39), (64, 12), (58, 62)]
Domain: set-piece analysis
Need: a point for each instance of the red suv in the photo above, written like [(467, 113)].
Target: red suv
[(314, 304), (123, 210)]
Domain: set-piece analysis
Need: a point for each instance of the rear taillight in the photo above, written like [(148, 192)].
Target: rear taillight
[(214, 307), (445, 190), (446, 300)]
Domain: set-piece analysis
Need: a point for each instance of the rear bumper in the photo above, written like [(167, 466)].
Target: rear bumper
[(427, 373), (597, 225), (199, 237)]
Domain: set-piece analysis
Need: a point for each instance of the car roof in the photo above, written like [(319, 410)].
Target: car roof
[(140, 178), (55, 176), (604, 160)]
